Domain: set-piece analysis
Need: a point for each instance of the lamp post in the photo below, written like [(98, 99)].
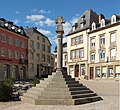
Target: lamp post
[(59, 21)]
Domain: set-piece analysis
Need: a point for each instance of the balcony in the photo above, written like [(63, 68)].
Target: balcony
[(23, 61)]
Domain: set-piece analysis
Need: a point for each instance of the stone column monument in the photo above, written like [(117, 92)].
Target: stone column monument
[(59, 88), (60, 32)]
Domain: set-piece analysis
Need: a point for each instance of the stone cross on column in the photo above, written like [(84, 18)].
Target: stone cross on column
[(59, 21)]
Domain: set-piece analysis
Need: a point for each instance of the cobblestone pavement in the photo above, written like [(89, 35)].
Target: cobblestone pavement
[(107, 89)]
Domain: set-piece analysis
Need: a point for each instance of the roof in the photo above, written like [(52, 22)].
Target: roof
[(86, 18), (9, 25), (29, 31)]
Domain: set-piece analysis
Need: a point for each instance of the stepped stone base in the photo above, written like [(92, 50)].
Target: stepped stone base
[(59, 89)]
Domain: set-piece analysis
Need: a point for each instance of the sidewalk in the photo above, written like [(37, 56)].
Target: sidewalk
[(107, 89)]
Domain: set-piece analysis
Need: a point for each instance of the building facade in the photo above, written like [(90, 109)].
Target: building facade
[(92, 53), (104, 49), (39, 53), (13, 51)]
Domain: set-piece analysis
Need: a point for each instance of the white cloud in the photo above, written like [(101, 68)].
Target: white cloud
[(17, 12), (16, 21), (34, 10), (50, 22), (67, 27), (45, 32), (47, 22), (40, 11), (44, 11), (35, 17)]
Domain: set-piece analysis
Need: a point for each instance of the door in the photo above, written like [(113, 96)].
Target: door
[(91, 72), (38, 70), (76, 70)]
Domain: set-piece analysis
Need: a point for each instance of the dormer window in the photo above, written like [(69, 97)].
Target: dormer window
[(102, 23), (13, 27), (113, 19), (93, 26), (6, 24), (19, 30)]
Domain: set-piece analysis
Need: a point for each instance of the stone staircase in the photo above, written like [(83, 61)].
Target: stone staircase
[(59, 89)]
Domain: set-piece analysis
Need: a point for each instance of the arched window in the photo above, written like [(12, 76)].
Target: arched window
[(93, 26), (113, 19), (102, 24)]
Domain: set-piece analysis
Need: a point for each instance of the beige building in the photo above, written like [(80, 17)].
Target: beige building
[(104, 49), (39, 54), (93, 50)]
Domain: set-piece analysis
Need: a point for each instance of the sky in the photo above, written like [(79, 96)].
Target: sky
[(42, 13)]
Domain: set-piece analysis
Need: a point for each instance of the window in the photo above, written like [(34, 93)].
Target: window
[(32, 56), (102, 40), (93, 26), (113, 53), (81, 39), (38, 57), (43, 57), (102, 54), (16, 42), (10, 53), (81, 25), (3, 51), (81, 53), (3, 38), (38, 45), (72, 54), (113, 19), (48, 49), (38, 37), (97, 72), (77, 40), (43, 47), (77, 53), (112, 38), (22, 44), (16, 54), (102, 24), (93, 42), (92, 56), (104, 71), (73, 41), (43, 40), (31, 67), (48, 58), (31, 43), (10, 40), (22, 56)]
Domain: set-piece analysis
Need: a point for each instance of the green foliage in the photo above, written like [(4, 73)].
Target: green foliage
[(35, 81), (5, 89)]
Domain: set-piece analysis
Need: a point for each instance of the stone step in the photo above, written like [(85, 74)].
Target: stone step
[(28, 100), (75, 85), (86, 100), (33, 91), (49, 96), (78, 88), (55, 92), (36, 96), (72, 82), (84, 95), (54, 102), (56, 89), (81, 92)]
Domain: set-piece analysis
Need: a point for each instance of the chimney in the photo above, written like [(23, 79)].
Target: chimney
[(101, 16)]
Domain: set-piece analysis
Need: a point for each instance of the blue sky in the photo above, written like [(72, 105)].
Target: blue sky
[(42, 13)]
